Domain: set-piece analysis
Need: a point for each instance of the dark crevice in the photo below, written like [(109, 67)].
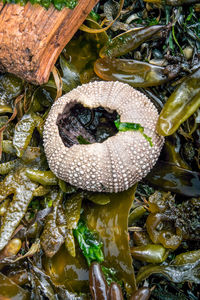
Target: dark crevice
[(82, 125), (2, 8)]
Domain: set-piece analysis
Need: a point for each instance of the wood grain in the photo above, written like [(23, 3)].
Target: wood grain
[(31, 37)]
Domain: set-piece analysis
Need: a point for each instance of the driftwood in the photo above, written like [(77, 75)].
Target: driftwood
[(31, 37)]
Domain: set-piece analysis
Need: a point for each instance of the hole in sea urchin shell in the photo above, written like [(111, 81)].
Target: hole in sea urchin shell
[(82, 125)]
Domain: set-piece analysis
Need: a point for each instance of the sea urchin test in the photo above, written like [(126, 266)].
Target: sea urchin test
[(119, 161)]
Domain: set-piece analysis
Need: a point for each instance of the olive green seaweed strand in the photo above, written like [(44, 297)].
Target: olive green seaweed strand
[(58, 4)]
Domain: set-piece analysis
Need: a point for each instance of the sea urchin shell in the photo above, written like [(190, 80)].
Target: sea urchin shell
[(118, 162)]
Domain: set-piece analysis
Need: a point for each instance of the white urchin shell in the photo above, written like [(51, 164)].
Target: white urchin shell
[(118, 162)]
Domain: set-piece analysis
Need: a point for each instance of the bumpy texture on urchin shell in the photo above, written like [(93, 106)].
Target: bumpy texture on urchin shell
[(121, 160)]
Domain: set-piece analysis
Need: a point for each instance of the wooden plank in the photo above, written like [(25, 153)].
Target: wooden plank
[(31, 37)]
